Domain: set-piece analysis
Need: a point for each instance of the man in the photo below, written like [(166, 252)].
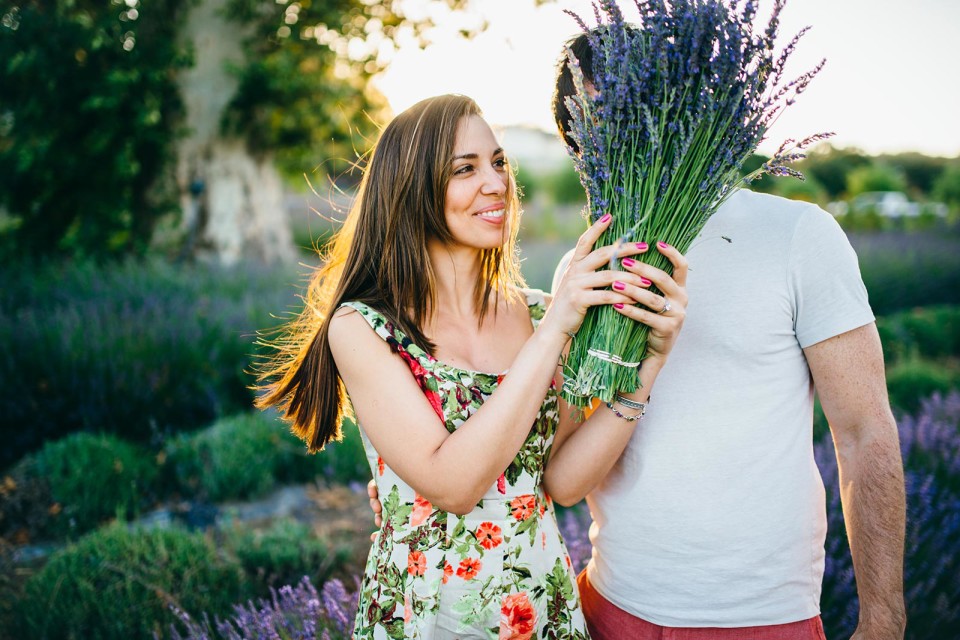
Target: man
[(712, 523)]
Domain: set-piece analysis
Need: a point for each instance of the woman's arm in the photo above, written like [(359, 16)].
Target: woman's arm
[(454, 470), (583, 453)]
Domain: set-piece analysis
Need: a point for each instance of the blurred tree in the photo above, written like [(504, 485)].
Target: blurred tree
[(765, 183), (86, 116), (875, 177), (947, 187), (98, 97), (809, 189), (830, 167), (920, 171)]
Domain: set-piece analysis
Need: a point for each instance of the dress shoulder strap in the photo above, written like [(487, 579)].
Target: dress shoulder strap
[(536, 305), (388, 330)]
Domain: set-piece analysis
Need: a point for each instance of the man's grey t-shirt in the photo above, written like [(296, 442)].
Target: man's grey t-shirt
[(714, 515)]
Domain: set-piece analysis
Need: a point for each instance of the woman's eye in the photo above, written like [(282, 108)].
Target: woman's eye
[(500, 163), (464, 169)]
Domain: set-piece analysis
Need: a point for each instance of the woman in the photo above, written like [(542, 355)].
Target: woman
[(451, 370)]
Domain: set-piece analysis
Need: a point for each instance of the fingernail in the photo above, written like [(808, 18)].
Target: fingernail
[(642, 246), (618, 305), (619, 286), (627, 262), (663, 245), (605, 218), (645, 282)]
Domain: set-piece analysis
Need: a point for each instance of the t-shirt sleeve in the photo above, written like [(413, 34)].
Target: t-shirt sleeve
[(561, 267), (829, 295)]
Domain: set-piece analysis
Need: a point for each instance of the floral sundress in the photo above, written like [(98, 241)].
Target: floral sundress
[(500, 571)]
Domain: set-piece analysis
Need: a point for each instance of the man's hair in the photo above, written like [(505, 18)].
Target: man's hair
[(580, 47)]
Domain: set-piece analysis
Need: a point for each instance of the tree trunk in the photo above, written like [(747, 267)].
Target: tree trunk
[(232, 201)]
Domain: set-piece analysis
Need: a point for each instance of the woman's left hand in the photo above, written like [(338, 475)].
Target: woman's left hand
[(663, 313)]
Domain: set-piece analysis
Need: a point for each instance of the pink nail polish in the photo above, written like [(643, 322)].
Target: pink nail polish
[(642, 246), (663, 245), (605, 218), (618, 305), (645, 282), (619, 286), (627, 262)]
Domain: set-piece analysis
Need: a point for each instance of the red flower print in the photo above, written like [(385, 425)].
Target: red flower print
[(522, 507), (420, 375), (407, 609), (489, 535), (517, 617), (421, 511), (380, 465), (447, 571), (502, 484), (469, 568), (435, 401), (415, 367), (416, 563)]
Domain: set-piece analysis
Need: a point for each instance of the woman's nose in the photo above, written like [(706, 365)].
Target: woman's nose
[(494, 181)]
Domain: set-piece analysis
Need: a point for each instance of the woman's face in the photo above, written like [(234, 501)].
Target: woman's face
[(475, 204)]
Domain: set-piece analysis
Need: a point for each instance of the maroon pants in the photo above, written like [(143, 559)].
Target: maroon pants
[(606, 621)]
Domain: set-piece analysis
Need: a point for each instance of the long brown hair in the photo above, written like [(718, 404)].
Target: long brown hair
[(380, 257)]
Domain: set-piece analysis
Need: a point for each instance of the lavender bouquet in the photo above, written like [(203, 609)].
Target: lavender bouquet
[(681, 101)]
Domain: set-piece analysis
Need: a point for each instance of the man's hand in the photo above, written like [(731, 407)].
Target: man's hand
[(375, 505)]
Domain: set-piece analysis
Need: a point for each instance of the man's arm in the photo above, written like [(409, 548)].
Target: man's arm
[(849, 378)]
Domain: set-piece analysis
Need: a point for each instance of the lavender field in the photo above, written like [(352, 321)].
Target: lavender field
[(140, 496)]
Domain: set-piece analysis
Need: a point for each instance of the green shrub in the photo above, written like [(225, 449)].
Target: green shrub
[(345, 461), (119, 584), (928, 332), (92, 478), (911, 381), (527, 182), (27, 507), (564, 186), (248, 454), (285, 553), (238, 457)]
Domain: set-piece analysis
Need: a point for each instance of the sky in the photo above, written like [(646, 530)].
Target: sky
[(891, 82)]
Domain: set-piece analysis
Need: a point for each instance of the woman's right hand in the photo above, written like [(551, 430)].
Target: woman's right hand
[(582, 286)]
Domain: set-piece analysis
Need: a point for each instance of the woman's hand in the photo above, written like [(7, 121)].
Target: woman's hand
[(664, 312), (582, 286)]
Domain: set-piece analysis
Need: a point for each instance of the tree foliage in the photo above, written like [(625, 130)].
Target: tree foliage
[(830, 167), (875, 177), (88, 109), (920, 171), (304, 93), (947, 187)]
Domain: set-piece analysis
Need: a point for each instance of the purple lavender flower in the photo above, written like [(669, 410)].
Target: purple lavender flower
[(681, 100), (292, 613), (930, 445)]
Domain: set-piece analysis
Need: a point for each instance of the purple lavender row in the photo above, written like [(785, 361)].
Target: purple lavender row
[(292, 613)]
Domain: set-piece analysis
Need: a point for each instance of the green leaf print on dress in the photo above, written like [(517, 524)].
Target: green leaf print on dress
[(500, 571)]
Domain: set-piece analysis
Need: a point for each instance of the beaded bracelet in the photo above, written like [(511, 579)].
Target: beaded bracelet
[(620, 415)]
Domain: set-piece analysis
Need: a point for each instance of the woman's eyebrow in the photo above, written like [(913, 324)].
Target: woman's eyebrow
[(474, 156)]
